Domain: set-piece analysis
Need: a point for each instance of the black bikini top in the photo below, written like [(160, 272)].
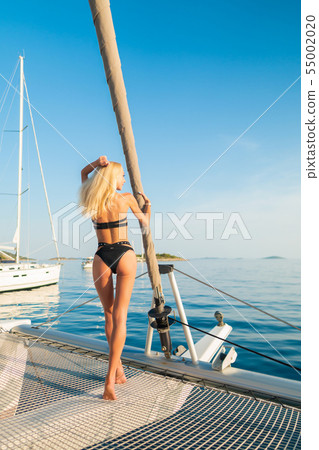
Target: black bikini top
[(107, 225)]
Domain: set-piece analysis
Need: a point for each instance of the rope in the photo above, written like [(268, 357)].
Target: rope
[(242, 301), (78, 306), (238, 345)]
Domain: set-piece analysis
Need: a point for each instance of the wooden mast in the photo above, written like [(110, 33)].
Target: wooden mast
[(103, 23)]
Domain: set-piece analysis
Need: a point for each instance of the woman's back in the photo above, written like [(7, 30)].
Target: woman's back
[(111, 226)]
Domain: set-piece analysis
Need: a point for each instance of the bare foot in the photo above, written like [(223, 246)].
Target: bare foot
[(120, 375), (109, 392), (120, 379)]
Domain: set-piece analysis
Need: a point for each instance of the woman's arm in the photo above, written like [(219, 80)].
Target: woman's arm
[(144, 216), (101, 161)]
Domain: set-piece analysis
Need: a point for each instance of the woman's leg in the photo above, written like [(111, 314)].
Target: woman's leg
[(126, 271), (103, 281), (102, 276)]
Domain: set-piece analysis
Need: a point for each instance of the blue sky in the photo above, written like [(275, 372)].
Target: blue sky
[(197, 76)]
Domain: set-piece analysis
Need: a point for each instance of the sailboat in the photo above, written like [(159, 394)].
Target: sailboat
[(87, 263), (25, 275)]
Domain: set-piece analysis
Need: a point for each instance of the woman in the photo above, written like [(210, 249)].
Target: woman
[(108, 210)]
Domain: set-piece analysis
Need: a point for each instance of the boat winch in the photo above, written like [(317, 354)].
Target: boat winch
[(161, 323)]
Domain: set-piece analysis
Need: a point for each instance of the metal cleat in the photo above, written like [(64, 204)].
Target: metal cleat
[(179, 350), (224, 359)]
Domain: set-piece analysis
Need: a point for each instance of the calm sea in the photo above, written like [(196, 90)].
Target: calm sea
[(270, 284)]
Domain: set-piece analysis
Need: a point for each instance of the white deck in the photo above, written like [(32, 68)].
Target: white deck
[(253, 383), (51, 398)]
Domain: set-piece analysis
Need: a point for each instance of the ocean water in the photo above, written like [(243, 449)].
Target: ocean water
[(270, 284)]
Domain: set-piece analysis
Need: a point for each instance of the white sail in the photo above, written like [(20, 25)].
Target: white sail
[(15, 237)]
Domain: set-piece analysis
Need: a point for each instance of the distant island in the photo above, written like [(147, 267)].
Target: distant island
[(62, 258), (273, 257), (161, 257)]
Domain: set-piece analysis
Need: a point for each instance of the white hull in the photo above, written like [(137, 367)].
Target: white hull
[(14, 277)]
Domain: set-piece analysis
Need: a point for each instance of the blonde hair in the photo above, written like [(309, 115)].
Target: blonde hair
[(96, 193)]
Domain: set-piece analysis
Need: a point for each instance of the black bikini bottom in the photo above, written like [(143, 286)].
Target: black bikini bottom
[(112, 253)]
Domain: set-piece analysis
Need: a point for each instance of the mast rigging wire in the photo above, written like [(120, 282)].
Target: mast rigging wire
[(5, 93), (5, 122), (242, 301), (41, 170)]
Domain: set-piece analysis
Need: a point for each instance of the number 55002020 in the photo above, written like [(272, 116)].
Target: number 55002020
[(310, 44)]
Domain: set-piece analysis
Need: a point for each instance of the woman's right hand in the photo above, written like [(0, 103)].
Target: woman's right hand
[(102, 161)]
